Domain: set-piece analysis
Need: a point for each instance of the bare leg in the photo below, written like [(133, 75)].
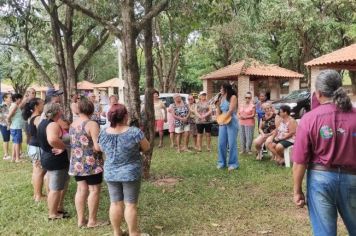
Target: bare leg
[(5, 146), (116, 213), (178, 138), (37, 182), (280, 153), (62, 195), (195, 138), (93, 203), (80, 199), (160, 138), (272, 147), (186, 140), (200, 142), (53, 201), (208, 141), (16, 152), (131, 219), (171, 137)]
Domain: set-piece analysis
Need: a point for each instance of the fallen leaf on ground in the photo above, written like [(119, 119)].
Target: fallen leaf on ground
[(215, 225), (159, 227), (265, 232)]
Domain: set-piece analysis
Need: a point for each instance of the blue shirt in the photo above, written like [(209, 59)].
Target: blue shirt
[(123, 158)]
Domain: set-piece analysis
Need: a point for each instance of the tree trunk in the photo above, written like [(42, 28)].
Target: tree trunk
[(352, 75), (130, 59), (149, 123)]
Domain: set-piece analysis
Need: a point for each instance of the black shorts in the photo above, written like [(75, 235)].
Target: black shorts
[(91, 179), (202, 127), (284, 143)]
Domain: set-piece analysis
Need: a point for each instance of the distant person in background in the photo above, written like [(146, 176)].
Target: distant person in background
[(4, 126), (171, 124), (262, 98), (246, 115), (113, 99), (97, 108), (122, 145), (32, 115), (227, 143), (86, 164), (54, 159), (16, 122), (160, 116), (203, 121), (191, 121), (325, 146), (74, 106), (284, 135), (266, 128), (181, 114)]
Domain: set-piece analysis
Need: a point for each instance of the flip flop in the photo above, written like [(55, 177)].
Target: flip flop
[(57, 217), (64, 213), (98, 224)]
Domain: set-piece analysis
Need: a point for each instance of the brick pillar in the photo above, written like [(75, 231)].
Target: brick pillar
[(275, 88), (243, 86), (208, 88), (294, 84), (110, 91), (314, 72)]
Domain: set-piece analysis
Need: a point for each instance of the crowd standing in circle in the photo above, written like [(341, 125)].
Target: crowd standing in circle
[(60, 149)]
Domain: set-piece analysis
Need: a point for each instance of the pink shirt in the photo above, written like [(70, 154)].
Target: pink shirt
[(326, 136), (247, 110)]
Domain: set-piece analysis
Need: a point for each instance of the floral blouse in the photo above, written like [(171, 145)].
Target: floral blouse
[(181, 111), (83, 160), (123, 158), (4, 111)]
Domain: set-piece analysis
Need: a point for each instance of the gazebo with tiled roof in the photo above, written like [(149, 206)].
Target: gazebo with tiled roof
[(247, 72), (342, 59)]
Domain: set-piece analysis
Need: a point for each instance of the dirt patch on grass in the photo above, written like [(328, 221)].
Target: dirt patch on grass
[(166, 181)]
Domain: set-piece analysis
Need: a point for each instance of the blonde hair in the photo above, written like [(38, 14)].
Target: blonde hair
[(51, 110), (266, 104)]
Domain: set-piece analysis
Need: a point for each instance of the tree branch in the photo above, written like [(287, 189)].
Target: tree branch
[(107, 24), (55, 17), (152, 13), (83, 36), (93, 49)]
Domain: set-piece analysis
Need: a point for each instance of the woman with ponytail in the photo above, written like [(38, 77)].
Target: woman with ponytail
[(325, 146), (32, 113)]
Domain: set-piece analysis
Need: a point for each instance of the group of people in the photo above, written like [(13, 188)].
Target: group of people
[(59, 149)]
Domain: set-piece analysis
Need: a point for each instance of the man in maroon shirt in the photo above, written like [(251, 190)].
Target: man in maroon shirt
[(325, 144)]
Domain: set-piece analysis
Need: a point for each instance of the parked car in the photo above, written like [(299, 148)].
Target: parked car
[(298, 101)]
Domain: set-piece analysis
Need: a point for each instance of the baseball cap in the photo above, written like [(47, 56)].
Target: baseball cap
[(51, 92), (202, 93)]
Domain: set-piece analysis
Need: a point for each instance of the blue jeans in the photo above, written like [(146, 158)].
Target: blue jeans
[(327, 194), (228, 140)]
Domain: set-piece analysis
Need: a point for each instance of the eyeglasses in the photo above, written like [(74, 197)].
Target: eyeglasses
[(247, 97)]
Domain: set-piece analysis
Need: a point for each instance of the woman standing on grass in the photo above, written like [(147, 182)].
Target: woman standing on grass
[(181, 114), (246, 116), (32, 114), (86, 164), (14, 119), (171, 124), (54, 159), (203, 121), (227, 105), (122, 169), (191, 121), (160, 116), (4, 126)]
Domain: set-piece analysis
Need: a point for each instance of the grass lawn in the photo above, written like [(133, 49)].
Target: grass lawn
[(254, 200)]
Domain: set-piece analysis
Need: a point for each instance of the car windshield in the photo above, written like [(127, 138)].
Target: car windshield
[(297, 94)]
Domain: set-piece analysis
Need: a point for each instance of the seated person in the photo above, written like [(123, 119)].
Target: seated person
[(284, 134), (266, 128)]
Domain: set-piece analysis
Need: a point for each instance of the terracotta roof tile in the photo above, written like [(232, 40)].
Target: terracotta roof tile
[(343, 55), (115, 82), (85, 85), (252, 67)]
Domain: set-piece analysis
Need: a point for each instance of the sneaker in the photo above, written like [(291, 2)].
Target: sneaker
[(7, 158)]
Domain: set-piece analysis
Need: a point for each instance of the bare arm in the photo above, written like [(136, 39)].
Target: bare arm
[(253, 113), (298, 175), (233, 105), (12, 112), (260, 128), (92, 128), (144, 145), (53, 136)]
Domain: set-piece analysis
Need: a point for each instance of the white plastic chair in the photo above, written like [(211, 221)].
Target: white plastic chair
[(287, 156)]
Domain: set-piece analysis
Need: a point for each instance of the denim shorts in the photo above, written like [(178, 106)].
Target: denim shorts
[(35, 154), (57, 179), (124, 191), (16, 135), (5, 133)]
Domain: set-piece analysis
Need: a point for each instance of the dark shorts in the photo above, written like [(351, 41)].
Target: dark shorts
[(16, 135), (284, 143), (57, 179), (90, 179), (5, 133), (202, 127), (124, 191)]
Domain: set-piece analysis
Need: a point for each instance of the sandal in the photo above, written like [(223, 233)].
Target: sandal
[(98, 224), (64, 213), (57, 217)]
